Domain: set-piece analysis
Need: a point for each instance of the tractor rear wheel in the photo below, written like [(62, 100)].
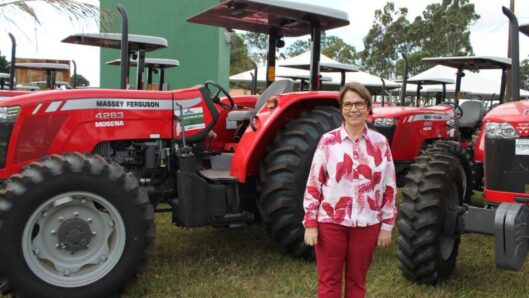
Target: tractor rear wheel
[(466, 159), (426, 250), (283, 177), (73, 225)]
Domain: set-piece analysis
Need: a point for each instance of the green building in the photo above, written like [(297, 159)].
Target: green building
[(203, 51)]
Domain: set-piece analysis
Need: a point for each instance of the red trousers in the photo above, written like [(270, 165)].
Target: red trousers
[(338, 247)]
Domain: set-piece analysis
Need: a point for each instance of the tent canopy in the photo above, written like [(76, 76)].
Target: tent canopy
[(372, 82)]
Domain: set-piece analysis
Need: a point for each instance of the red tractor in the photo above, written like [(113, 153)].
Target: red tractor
[(85, 170), (446, 126), (432, 212)]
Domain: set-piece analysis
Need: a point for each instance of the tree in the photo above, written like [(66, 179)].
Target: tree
[(74, 10), (387, 38), (257, 44), (81, 81), (239, 58), (331, 46), (4, 65), (442, 30)]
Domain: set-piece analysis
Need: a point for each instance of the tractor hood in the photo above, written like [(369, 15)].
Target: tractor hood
[(517, 111)]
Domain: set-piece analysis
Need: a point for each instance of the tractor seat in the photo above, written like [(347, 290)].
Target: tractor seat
[(473, 112), (277, 87)]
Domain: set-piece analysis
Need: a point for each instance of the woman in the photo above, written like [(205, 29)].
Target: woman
[(350, 198)]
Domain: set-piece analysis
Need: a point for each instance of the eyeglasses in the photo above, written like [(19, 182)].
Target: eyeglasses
[(359, 105)]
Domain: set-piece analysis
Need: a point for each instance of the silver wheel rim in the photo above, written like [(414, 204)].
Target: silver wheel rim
[(73, 239)]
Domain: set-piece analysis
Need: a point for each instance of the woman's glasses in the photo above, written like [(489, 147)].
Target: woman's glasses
[(359, 105)]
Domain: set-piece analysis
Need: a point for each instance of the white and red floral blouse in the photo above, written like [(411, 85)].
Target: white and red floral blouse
[(351, 183)]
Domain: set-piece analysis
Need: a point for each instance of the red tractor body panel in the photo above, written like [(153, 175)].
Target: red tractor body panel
[(52, 122), (225, 131), (413, 127), (11, 93), (253, 144), (516, 113), (506, 159)]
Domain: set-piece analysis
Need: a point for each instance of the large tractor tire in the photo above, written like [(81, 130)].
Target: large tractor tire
[(426, 251), (283, 177), (466, 159), (73, 225)]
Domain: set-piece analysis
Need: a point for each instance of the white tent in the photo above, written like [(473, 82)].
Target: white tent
[(372, 82), (474, 85)]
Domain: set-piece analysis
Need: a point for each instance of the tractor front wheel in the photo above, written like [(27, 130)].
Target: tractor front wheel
[(73, 225), (427, 247), (283, 177), (466, 159)]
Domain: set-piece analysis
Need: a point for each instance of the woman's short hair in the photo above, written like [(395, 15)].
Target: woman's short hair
[(357, 88)]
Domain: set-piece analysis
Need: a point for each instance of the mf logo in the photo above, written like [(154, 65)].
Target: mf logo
[(526, 112), (523, 129)]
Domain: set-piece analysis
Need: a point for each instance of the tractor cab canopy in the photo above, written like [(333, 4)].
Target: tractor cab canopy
[(473, 63), (155, 63), (152, 65), (49, 68), (277, 19), (137, 45), (113, 41), (430, 81)]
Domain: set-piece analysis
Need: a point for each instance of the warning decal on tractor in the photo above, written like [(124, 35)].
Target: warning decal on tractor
[(193, 119), (521, 147)]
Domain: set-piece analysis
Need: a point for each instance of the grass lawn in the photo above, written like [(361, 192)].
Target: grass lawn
[(209, 262)]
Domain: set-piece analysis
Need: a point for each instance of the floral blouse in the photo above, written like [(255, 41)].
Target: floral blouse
[(351, 183)]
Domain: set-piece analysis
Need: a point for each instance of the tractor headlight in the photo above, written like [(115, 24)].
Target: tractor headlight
[(385, 122), (9, 114), (503, 130)]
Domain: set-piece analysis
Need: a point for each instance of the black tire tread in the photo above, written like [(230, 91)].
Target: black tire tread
[(421, 219), (36, 173), (283, 173)]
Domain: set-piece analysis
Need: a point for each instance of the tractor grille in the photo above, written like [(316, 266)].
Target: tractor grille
[(5, 133), (504, 170), (387, 131)]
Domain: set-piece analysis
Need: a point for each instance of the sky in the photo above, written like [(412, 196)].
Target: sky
[(488, 34)]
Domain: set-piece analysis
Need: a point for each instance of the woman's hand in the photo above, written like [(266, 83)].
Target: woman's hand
[(311, 236), (384, 238)]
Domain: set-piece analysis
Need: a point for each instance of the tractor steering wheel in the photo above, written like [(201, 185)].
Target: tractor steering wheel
[(457, 109), (219, 90)]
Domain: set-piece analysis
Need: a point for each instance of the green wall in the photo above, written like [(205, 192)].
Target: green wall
[(203, 51)]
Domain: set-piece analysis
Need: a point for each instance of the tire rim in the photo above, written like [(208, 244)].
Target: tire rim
[(73, 239)]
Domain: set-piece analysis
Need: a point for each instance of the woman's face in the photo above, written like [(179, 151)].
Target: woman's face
[(354, 109)]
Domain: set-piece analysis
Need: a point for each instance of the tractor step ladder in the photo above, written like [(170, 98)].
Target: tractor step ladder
[(220, 173)]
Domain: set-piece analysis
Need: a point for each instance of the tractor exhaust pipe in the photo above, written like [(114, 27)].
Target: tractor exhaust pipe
[(13, 62), (74, 84), (124, 46), (404, 80), (515, 53)]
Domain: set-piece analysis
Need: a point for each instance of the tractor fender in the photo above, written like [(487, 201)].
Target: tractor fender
[(267, 122)]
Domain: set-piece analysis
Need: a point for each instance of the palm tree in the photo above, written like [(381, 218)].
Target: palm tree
[(74, 10)]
